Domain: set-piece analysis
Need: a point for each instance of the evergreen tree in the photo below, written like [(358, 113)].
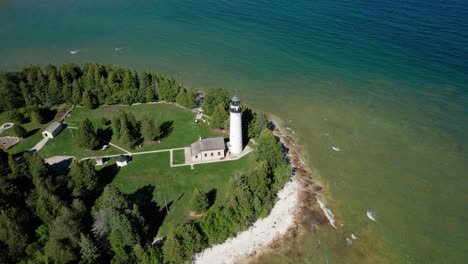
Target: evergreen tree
[(89, 250), (213, 98), (20, 131), (219, 116), (269, 149), (89, 100), (86, 135), (199, 201), (82, 177), (149, 129)]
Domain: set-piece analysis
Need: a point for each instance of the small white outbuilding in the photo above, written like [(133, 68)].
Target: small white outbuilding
[(121, 161), (52, 130)]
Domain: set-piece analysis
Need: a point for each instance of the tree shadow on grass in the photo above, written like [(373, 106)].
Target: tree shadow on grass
[(106, 175), (166, 128), (211, 195), (31, 133), (151, 212), (104, 135), (48, 114)]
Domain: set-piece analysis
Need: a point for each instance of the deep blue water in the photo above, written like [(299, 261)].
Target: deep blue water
[(386, 80)]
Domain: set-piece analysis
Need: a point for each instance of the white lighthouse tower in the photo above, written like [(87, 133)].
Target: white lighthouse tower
[(235, 126)]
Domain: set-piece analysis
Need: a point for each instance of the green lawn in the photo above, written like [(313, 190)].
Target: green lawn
[(64, 144), (181, 130), (177, 184), (178, 156), (34, 135)]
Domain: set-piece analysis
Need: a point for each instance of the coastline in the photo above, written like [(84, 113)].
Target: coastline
[(289, 215)]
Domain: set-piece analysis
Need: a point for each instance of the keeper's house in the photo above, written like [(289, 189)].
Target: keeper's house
[(211, 148), (52, 130)]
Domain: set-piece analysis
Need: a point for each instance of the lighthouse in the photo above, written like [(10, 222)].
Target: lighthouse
[(235, 126)]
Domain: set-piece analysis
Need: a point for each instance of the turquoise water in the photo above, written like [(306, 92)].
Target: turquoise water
[(385, 81)]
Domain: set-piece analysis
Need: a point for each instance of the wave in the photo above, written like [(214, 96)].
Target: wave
[(73, 52), (328, 213), (336, 148), (372, 216)]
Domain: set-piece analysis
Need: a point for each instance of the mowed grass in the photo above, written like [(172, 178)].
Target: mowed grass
[(180, 130), (64, 144), (33, 137), (176, 185), (178, 156)]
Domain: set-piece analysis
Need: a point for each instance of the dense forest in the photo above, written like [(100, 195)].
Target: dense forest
[(80, 217), (92, 85)]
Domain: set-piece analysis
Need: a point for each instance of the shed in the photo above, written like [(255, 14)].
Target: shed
[(211, 148), (122, 160), (52, 130), (101, 161)]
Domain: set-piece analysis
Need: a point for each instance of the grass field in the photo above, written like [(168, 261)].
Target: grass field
[(180, 128), (64, 144), (34, 133), (177, 184), (178, 156)]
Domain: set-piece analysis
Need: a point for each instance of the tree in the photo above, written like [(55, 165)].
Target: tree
[(217, 225), (199, 201), (12, 232), (183, 242), (82, 177), (63, 245), (89, 251), (258, 124), (213, 98), (36, 117), (269, 149), (20, 131), (149, 130), (186, 98), (86, 135), (89, 100), (219, 117)]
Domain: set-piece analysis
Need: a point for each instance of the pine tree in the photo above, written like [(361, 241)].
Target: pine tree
[(20, 131), (149, 129), (86, 135), (199, 201), (220, 115)]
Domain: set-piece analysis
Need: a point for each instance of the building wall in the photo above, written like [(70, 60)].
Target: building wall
[(235, 133), (209, 155)]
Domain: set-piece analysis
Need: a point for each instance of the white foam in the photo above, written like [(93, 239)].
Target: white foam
[(118, 49), (328, 213), (354, 237), (336, 148), (73, 52), (371, 216)]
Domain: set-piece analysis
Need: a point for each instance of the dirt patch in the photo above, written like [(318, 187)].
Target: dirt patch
[(8, 142), (217, 130), (194, 216)]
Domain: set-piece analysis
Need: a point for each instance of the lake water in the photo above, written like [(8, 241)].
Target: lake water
[(383, 81)]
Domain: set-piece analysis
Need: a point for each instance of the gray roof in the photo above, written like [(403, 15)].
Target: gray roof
[(206, 144), (53, 126), (121, 158)]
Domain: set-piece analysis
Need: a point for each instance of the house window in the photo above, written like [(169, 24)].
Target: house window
[(196, 156), (219, 153), (205, 155), (211, 154)]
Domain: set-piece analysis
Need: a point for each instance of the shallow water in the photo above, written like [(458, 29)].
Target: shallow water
[(383, 81)]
